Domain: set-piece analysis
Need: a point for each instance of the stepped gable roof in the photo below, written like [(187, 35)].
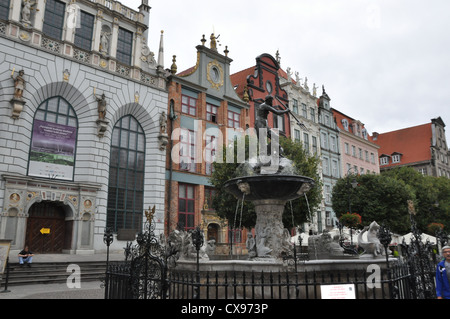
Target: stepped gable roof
[(413, 143)]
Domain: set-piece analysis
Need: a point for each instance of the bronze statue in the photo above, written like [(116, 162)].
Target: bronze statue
[(262, 113)]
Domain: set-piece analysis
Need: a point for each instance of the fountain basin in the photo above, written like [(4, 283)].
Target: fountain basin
[(263, 187)]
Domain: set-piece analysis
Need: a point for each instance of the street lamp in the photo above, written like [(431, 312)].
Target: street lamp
[(108, 238)]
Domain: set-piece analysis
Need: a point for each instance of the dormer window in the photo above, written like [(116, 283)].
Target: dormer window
[(396, 157), (384, 160), (364, 133), (345, 124)]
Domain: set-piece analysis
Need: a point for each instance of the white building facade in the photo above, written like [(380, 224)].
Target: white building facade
[(81, 124)]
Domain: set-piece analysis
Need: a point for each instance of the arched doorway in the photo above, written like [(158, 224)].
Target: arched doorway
[(47, 228), (213, 232)]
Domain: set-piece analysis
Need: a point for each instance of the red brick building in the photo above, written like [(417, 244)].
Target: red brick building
[(257, 82), (203, 111), (423, 147)]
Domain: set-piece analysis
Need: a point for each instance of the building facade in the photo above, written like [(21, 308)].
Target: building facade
[(305, 129), (331, 157), (358, 154), (423, 147), (205, 113), (81, 99)]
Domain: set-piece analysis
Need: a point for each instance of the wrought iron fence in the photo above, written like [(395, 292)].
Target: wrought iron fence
[(394, 283), (148, 273)]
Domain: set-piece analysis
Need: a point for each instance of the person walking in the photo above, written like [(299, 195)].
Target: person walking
[(443, 275)]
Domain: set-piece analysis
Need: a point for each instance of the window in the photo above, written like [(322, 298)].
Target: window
[(327, 193), (187, 150), (324, 140), (325, 166), (396, 158), (334, 168), (346, 148), (83, 35), (234, 119), (304, 111), (423, 171), (54, 139), (211, 113), (210, 153), (297, 135), (333, 144), (384, 160), (312, 114), (4, 10), (54, 19), (188, 105), (126, 175), (360, 152), (353, 151), (124, 46), (186, 206), (278, 122), (306, 142), (295, 106), (314, 145)]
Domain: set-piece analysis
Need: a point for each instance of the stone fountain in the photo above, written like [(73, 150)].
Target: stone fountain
[(269, 194)]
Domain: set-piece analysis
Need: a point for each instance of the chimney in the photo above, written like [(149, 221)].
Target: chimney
[(375, 136)]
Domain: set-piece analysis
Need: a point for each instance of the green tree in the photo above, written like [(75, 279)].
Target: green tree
[(376, 198), (432, 204), (227, 206)]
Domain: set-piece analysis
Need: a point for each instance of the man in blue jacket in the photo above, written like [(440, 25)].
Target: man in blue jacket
[(443, 275)]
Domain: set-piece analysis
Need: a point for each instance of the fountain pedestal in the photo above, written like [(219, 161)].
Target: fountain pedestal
[(270, 234)]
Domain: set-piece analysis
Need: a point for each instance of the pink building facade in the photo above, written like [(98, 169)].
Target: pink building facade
[(359, 155)]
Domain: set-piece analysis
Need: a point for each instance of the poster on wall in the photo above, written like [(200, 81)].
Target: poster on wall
[(52, 152)]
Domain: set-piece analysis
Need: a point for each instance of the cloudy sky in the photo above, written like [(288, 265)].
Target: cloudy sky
[(384, 62)]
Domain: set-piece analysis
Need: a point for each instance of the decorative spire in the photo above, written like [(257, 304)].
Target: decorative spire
[(203, 40), (226, 50), (161, 51)]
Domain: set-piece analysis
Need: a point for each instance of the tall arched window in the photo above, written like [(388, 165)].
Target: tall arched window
[(126, 175), (54, 140)]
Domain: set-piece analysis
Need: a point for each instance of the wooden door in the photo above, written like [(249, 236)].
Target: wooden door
[(46, 215)]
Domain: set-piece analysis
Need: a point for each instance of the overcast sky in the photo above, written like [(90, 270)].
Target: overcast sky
[(383, 62)]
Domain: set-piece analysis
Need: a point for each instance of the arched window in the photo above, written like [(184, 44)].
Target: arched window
[(54, 140), (126, 175)]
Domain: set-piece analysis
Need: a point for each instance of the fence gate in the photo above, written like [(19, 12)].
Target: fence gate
[(421, 261), (143, 275)]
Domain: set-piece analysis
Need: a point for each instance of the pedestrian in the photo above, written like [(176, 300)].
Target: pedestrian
[(26, 256), (443, 275)]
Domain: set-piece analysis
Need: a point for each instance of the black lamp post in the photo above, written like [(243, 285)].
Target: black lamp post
[(197, 241), (108, 238)]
